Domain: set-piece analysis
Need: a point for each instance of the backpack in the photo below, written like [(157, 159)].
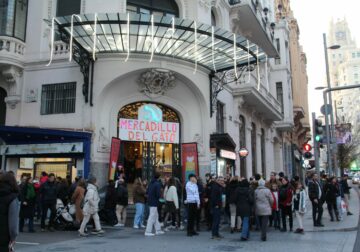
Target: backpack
[(283, 193)]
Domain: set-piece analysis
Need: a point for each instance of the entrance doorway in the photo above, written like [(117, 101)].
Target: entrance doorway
[(144, 158)]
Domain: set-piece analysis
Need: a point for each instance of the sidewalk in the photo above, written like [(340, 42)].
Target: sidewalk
[(348, 223)]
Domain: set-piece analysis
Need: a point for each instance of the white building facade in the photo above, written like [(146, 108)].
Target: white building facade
[(64, 115)]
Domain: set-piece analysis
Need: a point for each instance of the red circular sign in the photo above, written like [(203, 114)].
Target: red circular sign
[(243, 152)]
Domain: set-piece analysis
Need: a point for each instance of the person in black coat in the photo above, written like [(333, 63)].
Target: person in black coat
[(244, 203), (27, 206), (316, 195), (331, 193), (231, 200), (217, 190), (48, 192), (122, 199), (110, 203), (346, 192)]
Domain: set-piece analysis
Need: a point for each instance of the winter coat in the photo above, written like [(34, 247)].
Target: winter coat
[(331, 191), (263, 201), (244, 201), (9, 216), (27, 198), (139, 194), (302, 201), (216, 195), (48, 192), (92, 200), (275, 205), (316, 190), (285, 190), (62, 192), (170, 195), (345, 186), (153, 193), (110, 197), (231, 192), (122, 195), (78, 198)]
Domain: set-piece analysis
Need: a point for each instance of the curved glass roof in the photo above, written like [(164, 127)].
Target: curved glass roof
[(210, 47)]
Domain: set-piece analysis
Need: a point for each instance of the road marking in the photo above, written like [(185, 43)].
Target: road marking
[(28, 243)]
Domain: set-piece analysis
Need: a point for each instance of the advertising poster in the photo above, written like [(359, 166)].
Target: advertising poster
[(189, 157), (114, 156)]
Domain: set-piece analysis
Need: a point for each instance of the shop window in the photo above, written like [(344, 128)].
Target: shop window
[(242, 143), (263, 157), (280, 95), (220, 120), (13, 15), (158, 7), (58, 98), (253, 148), (68, 7), (2, 106)]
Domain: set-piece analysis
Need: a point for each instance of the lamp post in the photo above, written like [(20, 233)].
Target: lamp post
[(329, 132), (325, 92)]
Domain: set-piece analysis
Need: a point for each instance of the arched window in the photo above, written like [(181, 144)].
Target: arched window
[(155, 7), (253, 147), (13, 18), (2, 106), (213, 18), (242, 144)]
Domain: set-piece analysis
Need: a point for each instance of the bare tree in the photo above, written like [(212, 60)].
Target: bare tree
[(349, 152)]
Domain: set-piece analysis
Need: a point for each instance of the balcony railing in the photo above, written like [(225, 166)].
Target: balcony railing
[(233, 2), (12, 50)]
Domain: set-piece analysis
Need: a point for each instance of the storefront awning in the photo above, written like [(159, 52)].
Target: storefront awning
[(12, 135), (123, 34), (222, 141)]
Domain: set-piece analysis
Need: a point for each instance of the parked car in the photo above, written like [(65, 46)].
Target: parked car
[(356, 179)]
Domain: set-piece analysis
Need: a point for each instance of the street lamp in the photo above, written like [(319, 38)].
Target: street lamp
[(328, 136)]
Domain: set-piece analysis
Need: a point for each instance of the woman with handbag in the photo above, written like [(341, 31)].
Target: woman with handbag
[(171, 201), (299, 206)]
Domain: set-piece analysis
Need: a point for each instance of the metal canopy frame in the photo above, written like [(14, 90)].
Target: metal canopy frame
[(210, 47)]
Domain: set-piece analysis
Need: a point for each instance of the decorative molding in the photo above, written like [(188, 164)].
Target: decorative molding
[(11, 74), (103, 141), (12, 100), (156, 82), (200, 144), (207, 4)]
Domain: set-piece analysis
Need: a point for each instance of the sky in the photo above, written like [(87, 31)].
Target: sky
[(314, 18)]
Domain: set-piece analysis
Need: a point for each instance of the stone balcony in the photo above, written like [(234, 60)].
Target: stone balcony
[(61, 50), (12, 51), (249, 19), (257, 97)]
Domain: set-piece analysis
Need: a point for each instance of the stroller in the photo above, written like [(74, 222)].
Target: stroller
[(64, 218)]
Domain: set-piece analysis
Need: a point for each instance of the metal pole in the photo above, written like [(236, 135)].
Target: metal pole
[(332, 129), (316, 146), (328, 151)]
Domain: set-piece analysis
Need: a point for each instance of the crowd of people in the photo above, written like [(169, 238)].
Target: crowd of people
[(165, 204)]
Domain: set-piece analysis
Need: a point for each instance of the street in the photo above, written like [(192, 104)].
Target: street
[(335, 236)]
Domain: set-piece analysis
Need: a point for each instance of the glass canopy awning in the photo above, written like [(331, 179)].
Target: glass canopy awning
[(214, 48)]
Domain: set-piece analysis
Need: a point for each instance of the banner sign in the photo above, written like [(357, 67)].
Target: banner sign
[(213, 164), (343, 133), (114, 156), (34, 149), (189, 157), (148, 131)]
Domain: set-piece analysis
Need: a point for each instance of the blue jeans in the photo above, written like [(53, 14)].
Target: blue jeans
[(139, 215), (216, 214), (245, 233)]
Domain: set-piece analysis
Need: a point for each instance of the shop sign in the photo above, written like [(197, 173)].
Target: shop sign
[(189, 158), (243, 152), (213, 160), (228, 154), (33, 149), (149, 127)]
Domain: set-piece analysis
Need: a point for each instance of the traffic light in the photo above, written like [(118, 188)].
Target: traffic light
[(318, 131), (306, 149)]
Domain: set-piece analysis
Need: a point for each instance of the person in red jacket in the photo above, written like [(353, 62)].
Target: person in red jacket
[(285, 199), (275, 207)]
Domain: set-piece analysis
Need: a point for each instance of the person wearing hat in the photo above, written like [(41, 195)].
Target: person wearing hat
[(263, 204)]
